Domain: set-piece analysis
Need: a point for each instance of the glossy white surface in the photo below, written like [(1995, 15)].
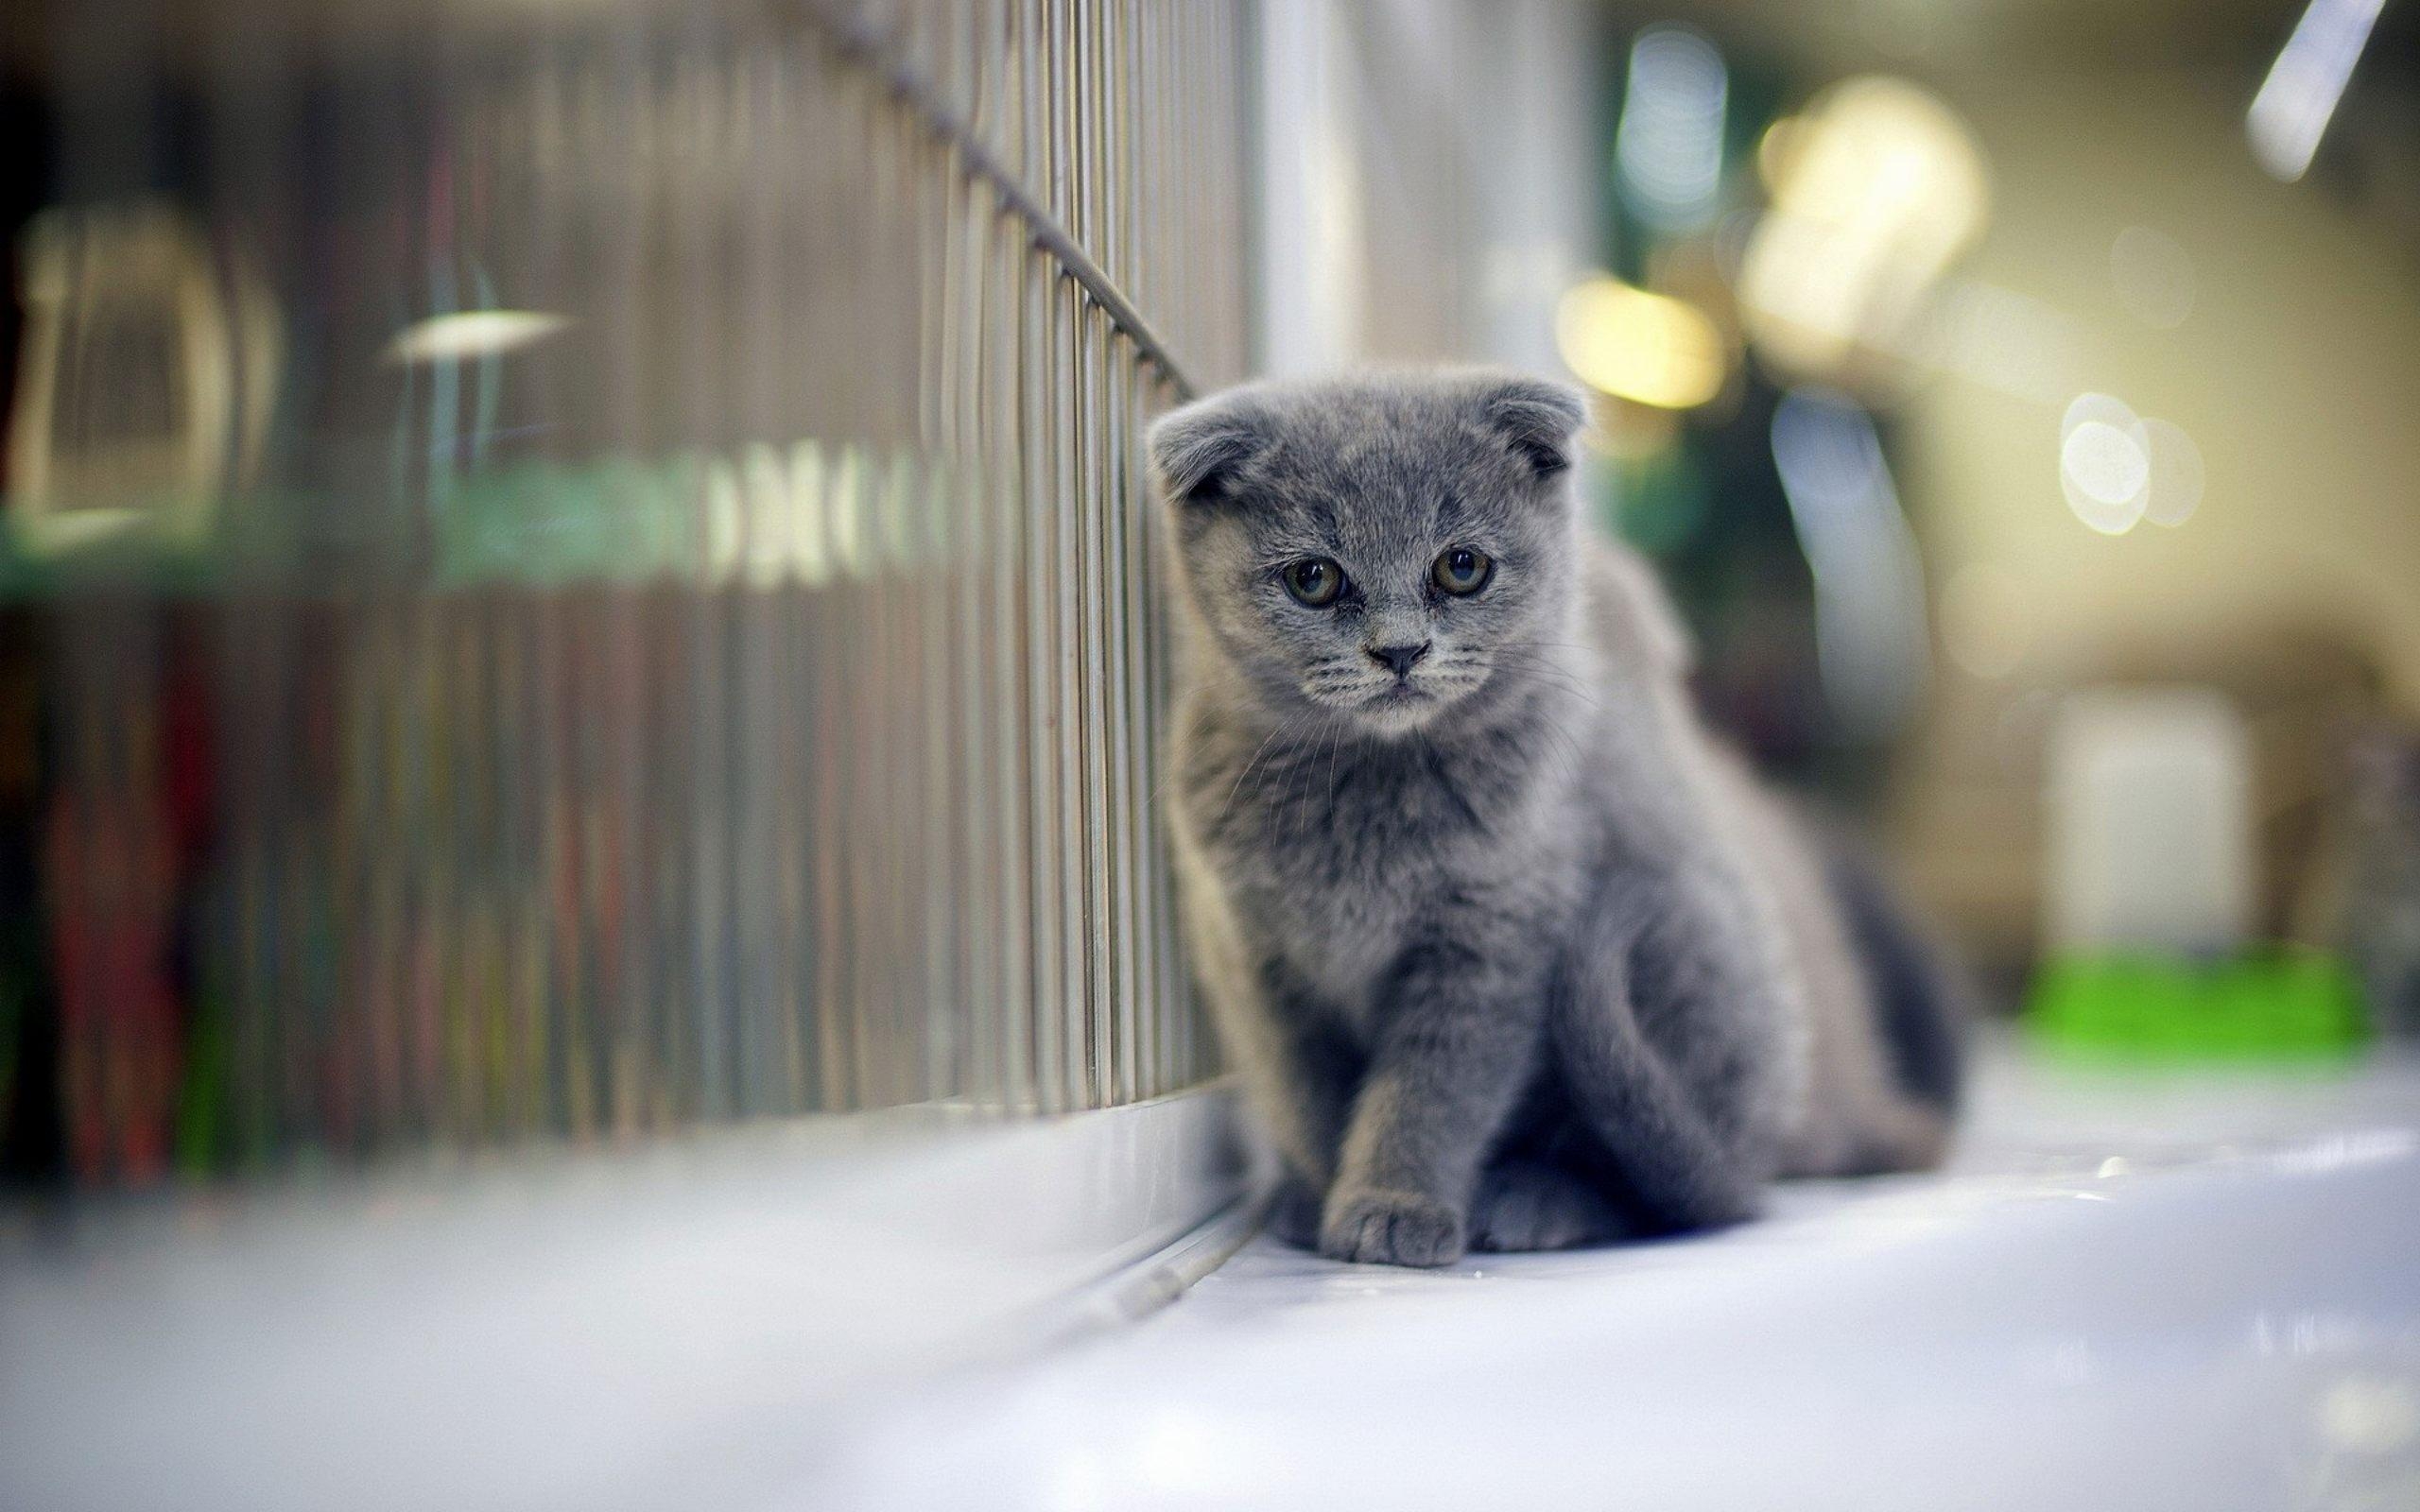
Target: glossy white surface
[(659, 1329), (2166, 1292)]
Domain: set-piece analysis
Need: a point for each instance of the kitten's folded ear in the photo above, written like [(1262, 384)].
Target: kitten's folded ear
[(1198, 449), (1539, 419)]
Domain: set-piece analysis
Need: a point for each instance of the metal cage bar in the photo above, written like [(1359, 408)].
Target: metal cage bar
[(681, 643)]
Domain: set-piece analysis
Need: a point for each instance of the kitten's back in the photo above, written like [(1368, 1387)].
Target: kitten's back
[(1882, 1010)]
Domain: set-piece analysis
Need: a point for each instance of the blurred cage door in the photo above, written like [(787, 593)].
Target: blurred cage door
[(582, 570)]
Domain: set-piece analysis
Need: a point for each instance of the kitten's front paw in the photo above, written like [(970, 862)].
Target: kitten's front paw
[(1390, 1229)]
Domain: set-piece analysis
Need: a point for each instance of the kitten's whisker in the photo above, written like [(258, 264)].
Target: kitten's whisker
[(1298, 795), (1563, 676), (1300, 755), (1333, 746), (1274, 731)]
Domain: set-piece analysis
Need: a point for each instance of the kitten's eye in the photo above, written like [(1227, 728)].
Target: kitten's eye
[(1314, 581), (1459, 570)]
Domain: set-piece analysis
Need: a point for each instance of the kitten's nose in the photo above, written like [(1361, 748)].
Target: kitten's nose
[(1399, 658)]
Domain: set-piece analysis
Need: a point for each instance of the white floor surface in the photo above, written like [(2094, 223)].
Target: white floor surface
[(2191, 1291)]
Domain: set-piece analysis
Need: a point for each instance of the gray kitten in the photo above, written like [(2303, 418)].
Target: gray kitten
[(1510, 953)]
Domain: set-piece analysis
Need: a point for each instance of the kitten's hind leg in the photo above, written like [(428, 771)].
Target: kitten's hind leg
[(1669, 1030), (1923, 1002), (1527, 1205)]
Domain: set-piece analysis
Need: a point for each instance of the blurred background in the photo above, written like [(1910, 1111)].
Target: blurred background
[(576, 573), (1955, 360)]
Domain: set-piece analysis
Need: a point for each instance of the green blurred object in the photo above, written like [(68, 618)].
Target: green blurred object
[(2294, 1005)]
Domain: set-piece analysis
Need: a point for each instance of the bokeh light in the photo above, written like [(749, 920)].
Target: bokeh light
[(1877, 187), (1647, 348), (2105, 463), (1668, 145), (2118, 469), (473, 333), (2298, 98), (1871, 641)]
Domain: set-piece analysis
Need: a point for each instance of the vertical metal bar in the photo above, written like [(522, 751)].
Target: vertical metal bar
[(1123, 146), (1125, 795), (1039, 589), (1059, 175), (1147, 642), (1067, 649), (1079, 120), (1012, 512), (973, 994), (1175, 986), (933, 531), (900, 757), (1151, 273), (1152, 728), (1001, 974), (1094, 681)]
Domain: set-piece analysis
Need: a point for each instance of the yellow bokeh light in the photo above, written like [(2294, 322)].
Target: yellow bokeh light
[(1647, 348), (1877, 188), (1778, 149)]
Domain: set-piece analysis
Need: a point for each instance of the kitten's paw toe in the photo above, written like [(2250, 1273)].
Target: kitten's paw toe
[(1295, 1213), (1390, 1229), (1523, 1207)]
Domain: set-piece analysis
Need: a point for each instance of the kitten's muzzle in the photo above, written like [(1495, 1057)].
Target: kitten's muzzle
[(1398, 659)]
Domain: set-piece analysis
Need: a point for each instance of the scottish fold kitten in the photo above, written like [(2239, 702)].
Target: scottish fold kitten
[(1509, 952)]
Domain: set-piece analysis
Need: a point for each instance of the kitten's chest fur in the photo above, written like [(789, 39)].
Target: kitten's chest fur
[(1340, 857)]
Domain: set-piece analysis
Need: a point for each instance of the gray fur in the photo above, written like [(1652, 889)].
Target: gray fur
[(1507, 950)]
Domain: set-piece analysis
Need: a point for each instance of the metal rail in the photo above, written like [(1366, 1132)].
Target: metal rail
[(876, 51)]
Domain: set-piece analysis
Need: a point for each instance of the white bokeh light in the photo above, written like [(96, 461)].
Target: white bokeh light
[(469, 333), (2105, 463), (2297, 99)]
